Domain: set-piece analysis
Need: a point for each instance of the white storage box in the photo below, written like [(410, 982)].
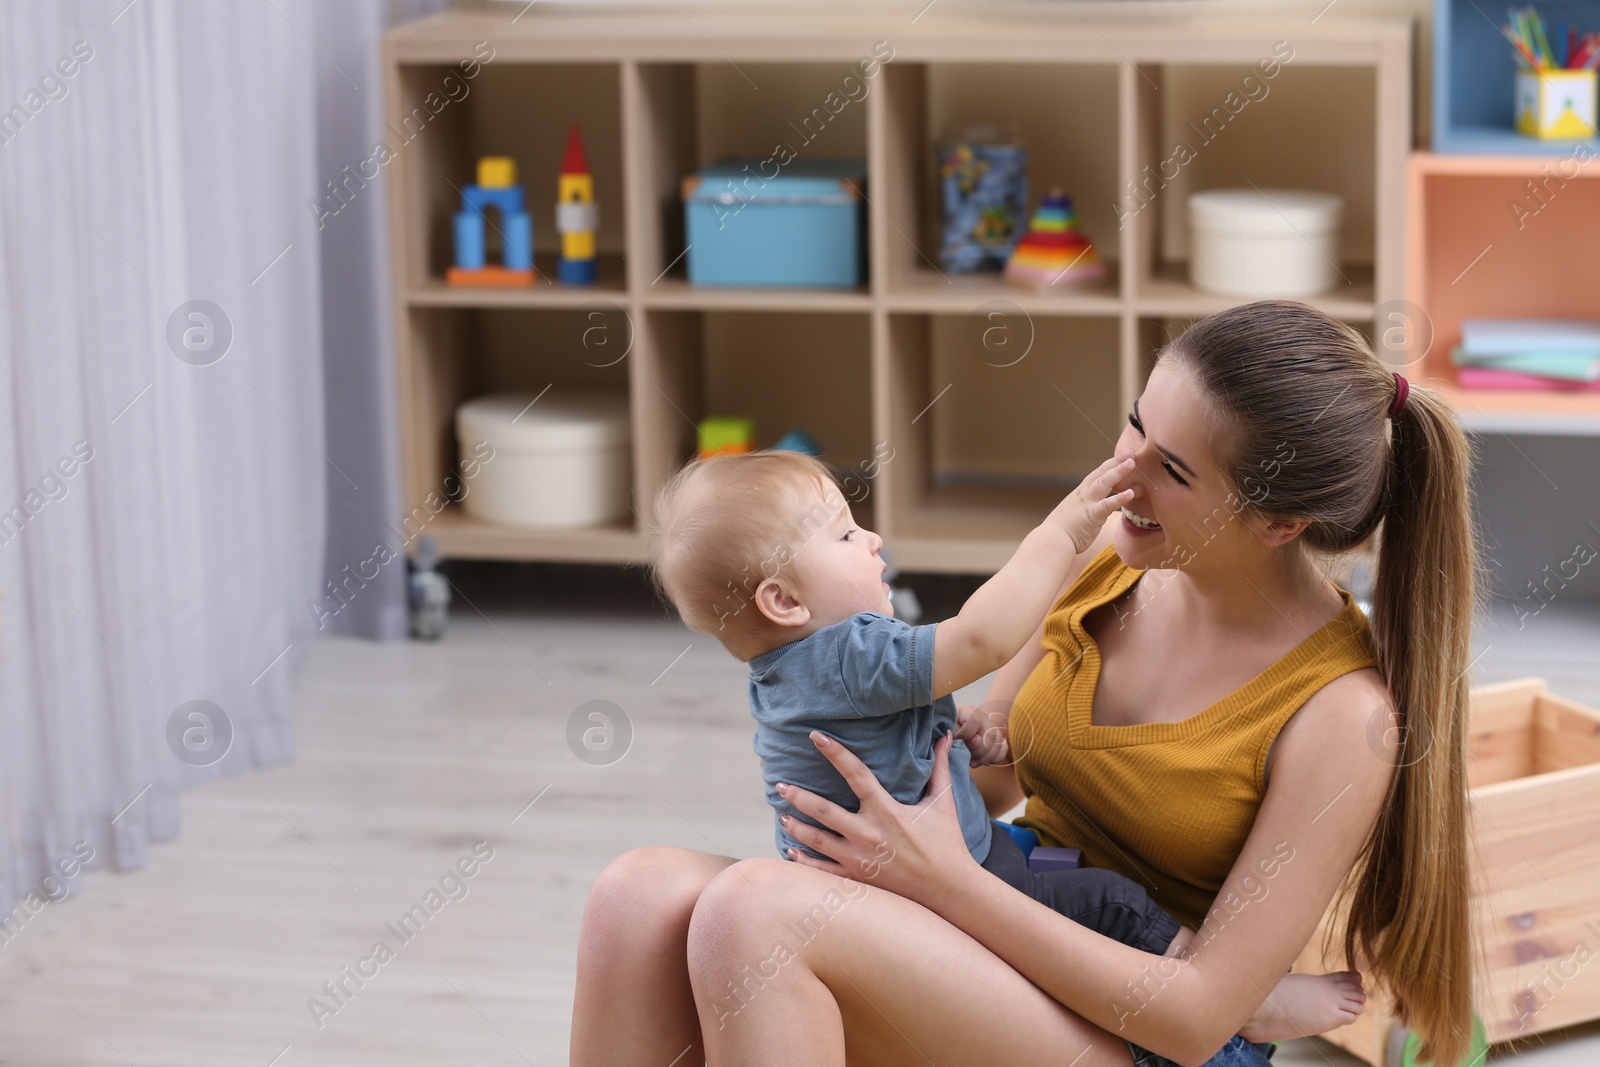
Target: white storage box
[(1264, 243), (563, 461)]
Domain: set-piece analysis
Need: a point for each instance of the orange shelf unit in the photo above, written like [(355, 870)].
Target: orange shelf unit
[(1502, 237)]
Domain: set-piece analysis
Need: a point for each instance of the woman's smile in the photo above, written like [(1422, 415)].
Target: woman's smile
[(1135, 523)]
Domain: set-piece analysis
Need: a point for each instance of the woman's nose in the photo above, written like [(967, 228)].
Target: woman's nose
[(1135, 477)]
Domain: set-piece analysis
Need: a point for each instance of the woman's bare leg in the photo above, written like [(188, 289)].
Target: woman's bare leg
[(634, 1004), (794, 966)]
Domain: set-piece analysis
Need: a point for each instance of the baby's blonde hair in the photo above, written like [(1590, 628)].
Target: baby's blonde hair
[(726, 524)]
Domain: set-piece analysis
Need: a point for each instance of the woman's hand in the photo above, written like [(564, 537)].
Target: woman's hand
[(909, 849)]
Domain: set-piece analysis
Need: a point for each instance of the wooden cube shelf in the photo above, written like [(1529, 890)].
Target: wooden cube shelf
[(1471, 252), (981, 448)]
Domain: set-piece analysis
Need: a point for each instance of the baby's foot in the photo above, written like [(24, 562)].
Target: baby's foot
[(1305, 1004)]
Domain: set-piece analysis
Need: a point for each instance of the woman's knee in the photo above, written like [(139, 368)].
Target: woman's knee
[(652, 888), (751, 902)]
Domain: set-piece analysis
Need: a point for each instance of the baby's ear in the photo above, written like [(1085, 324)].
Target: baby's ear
[(779, 604)]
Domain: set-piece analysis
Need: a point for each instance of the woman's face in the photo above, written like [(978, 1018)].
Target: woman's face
[(1183, 511)]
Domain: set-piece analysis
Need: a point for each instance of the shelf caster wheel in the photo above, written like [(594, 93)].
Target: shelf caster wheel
[(428, 593), (1402, 1047)]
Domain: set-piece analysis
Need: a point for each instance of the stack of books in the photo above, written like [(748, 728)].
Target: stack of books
[(1550, 354)]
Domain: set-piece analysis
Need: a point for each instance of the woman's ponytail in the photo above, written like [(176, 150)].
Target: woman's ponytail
[(1409, 913)]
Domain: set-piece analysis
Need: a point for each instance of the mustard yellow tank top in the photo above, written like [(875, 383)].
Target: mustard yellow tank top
[(1166, 804)]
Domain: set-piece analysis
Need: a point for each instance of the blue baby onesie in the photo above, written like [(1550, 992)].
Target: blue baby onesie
[(868, 682)]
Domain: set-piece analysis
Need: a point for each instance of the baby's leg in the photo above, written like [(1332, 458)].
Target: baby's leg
[(1108, 904)]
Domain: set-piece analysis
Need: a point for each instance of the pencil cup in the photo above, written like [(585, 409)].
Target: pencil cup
[(1556, 105)]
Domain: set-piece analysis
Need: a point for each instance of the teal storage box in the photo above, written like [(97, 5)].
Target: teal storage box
[(751, 222)]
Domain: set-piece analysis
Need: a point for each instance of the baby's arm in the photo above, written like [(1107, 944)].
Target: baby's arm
[(998, 619)]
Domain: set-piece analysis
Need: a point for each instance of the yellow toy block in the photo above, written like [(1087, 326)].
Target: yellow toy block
[(578, 245), (497, 172), (575, 187)]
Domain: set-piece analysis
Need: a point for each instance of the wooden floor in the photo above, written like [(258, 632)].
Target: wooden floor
[(409, 754)]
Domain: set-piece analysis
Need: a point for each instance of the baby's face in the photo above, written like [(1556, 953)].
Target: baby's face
[(837, 571)]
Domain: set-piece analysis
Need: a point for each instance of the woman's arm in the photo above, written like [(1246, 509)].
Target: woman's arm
[(1327, 785)]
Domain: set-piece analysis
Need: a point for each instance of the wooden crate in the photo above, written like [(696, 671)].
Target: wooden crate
[(1534, 772)]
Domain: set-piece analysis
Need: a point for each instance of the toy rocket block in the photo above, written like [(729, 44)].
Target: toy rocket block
[(577, 216), (497, 188), (1054, 249)]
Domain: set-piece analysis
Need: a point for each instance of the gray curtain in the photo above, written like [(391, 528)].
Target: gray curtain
[(196, 406), (359, 597), (161, 477)]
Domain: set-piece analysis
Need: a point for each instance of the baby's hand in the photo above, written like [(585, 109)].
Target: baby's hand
[(986, 740), (1086, 509)]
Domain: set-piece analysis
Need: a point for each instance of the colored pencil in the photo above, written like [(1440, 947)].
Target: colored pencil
[(1573, 49)]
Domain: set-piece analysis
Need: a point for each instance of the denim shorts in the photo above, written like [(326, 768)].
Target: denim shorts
[(1236, 1053)]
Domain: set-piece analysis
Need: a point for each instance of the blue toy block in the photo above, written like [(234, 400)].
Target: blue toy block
[(516, 227), (469, 240), (578, 271), (1025, 838), (507, 198), (1045, 858), (797, 440), (517, 230)]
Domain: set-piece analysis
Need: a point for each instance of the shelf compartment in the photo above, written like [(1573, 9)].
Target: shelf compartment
[(1206, 127), (961, 495), (1067, 116), (496, 116), (1473, 70), (1471, 255), (684, 116), (458, 353), (782, 369)]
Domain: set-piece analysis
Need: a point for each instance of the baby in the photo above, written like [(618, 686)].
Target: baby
[(761, 551)]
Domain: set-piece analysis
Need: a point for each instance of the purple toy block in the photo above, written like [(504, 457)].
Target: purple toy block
[(1043, 859)]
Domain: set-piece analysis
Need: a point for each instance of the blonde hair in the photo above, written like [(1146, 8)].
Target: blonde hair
[(726, 524), (1280, 372)]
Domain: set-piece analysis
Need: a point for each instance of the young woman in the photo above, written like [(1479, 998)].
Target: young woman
[(1201, 710)]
